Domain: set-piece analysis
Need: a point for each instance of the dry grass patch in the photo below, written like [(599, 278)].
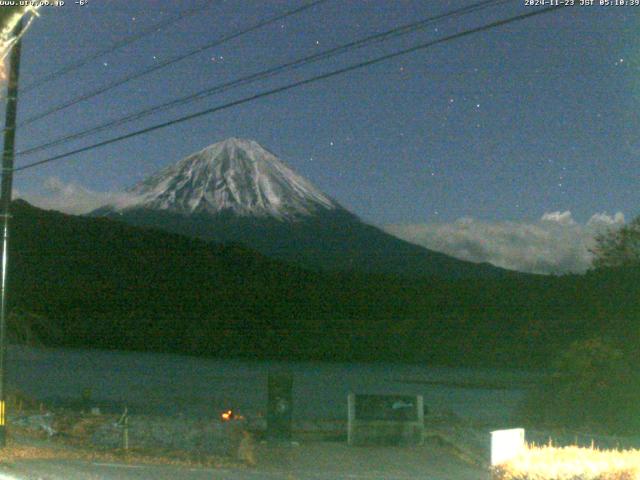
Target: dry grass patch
[(570, 463), (17, 451), (73, 441), (13, 452), (31, 447)]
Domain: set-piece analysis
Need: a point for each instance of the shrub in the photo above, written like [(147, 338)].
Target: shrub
[(570, 463), (593, 386)]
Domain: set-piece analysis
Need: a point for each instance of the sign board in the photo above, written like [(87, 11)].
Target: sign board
[(386, 407), (385, 419), (506, 444)]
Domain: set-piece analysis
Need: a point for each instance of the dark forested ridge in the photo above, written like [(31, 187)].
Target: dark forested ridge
[(101, 283), (333, 240)]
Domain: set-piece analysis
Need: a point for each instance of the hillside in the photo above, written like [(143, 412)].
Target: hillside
[(102, 283)]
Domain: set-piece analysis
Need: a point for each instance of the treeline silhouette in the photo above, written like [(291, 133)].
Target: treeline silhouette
[(100, 283)]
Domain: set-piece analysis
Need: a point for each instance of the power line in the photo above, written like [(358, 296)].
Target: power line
[(291, 86), (170, 61), (116, 46), (369, 40)]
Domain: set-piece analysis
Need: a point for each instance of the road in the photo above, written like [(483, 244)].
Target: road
[(77, 470), (320, 461)]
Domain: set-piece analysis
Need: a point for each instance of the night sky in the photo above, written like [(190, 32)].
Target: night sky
[(538, 116)]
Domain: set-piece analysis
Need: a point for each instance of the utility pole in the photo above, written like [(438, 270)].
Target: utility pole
[(5, 205)]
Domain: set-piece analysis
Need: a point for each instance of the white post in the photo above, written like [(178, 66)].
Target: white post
[(506, 444)]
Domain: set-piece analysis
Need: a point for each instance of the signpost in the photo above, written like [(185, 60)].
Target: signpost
[(279, 405)]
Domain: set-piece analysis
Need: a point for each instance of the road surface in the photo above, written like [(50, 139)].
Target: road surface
[(314, 461)]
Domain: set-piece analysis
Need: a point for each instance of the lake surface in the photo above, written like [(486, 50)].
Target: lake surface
[(174, 384)]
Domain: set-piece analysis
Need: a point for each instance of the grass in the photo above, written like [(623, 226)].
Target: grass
[(26, 444), (18, 450), (570, 463)]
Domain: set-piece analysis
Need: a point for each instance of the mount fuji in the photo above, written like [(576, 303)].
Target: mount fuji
[(236, 191), (233, 176)]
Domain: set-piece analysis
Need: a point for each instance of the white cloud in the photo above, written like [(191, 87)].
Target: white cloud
[(554, 244), (602, 219), (68, 197), (562, 218)]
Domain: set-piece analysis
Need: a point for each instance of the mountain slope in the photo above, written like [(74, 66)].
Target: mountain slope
[(236, 191)]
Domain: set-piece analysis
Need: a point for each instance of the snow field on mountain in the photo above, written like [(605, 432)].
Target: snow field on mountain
[(235, 175)]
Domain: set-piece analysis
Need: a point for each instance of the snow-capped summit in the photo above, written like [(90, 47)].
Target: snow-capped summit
[(236, 176)]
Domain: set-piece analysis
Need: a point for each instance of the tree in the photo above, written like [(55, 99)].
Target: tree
[(594, 386), (618, 247)]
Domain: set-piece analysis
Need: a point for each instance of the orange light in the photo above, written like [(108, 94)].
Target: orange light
[(227, 415)]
